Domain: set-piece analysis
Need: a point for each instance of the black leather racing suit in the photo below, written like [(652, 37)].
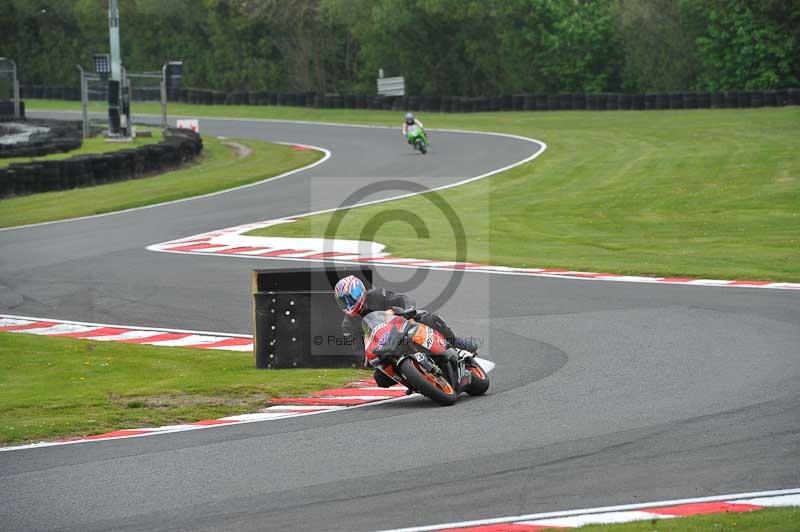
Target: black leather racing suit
[(382, 299)]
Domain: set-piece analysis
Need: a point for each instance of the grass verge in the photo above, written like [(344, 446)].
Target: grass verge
[(60, 387), (768, 520), (92, 145), (699, 193), (219, 167)]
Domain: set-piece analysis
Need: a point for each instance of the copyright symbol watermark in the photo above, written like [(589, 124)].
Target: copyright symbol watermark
[(430, 209), (318, 340)]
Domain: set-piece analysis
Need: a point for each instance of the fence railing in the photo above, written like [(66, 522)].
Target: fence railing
[(455, 104)]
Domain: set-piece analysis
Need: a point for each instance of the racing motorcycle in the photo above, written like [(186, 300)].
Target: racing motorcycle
[(418, 357), (418, 138)]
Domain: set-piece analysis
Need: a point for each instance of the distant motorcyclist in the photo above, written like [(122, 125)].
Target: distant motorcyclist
[(356, 302), (410, 121)]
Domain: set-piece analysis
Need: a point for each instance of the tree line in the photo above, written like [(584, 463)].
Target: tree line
[(454, 47)]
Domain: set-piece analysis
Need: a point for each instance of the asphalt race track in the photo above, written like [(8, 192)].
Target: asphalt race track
[(604, 393)]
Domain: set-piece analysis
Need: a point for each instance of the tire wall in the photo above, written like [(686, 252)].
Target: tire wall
[(178, 147)]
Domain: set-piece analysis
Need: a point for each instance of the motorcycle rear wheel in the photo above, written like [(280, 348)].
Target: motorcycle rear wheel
[(431, 386)]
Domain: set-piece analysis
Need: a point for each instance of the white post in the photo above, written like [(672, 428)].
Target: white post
[(164, 96), (17, 113), (84, 103)]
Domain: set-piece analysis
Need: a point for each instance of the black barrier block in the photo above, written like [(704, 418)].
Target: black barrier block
[(50, 176), (82, 172), (553, 102), (689, 100), (579, 101), (7, 178), (717, 100), (676, 100), (35, 178), (296, 320), (792, 97), (661, 101), (518, 102), (529, 102), (565, 102), (625, 102), (771, 98), (703, 100), (27, 178), (781, 97), (115, 171), (731, 99), (100, 169), (541, 102), (612, 101), (757, 99), (74, 173)]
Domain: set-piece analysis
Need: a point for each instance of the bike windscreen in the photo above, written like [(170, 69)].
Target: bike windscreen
[(374, 319), (413, 130)]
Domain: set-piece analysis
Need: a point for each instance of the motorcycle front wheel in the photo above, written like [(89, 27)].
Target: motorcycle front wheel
[(433, 387), (480, 381)]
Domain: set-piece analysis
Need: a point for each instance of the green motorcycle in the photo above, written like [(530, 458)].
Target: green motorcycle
[(418, 138)]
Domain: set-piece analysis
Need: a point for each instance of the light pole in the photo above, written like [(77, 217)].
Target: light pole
[(84, 103), (171, 73), (115, 83)]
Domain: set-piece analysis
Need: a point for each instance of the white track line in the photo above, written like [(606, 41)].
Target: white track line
[(31, 319), (308, 167), (740, 497)]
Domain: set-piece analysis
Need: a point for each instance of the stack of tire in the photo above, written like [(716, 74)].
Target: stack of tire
[(60, 137), (178, 147)]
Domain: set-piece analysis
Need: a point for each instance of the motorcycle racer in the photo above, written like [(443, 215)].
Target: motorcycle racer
[(356, 302), (409, 121)]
